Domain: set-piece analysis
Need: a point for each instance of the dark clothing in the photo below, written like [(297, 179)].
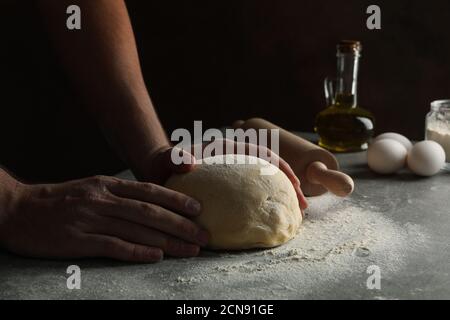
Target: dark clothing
[(45, 135)]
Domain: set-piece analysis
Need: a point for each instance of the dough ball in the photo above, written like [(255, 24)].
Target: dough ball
[(241, 208)]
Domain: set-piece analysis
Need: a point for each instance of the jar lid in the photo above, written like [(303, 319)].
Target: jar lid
[(349, 46), (443, 104)]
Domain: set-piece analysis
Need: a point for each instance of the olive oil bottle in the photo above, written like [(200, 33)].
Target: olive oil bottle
[(344, 126)]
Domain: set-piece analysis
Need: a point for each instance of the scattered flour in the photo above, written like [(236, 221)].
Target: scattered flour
[(338, 240)]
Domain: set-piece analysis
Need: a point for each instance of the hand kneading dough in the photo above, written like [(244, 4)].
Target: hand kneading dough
[(241, 208)]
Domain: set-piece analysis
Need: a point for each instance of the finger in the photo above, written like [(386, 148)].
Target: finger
[(112, 247), (138, 234), (301, 198), (282, 164), (268, 154), (156, 194), (286, 168), (155, 217)]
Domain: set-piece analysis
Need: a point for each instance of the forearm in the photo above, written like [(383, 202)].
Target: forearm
[(8, 195), (102, 61)]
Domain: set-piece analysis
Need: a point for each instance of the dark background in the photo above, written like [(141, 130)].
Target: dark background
[(219, 61), (222, 60)]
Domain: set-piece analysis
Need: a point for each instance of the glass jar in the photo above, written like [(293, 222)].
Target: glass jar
[(437, 126), (344, 126)]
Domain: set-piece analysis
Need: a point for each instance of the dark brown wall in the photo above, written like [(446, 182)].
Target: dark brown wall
[(218, 61)]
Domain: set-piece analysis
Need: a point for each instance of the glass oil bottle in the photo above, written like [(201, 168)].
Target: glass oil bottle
[(344, 126)]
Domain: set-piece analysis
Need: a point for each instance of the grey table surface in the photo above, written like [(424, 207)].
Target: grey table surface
[(402, 198)]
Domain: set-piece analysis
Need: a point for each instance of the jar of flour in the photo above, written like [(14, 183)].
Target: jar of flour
[(437, 126)]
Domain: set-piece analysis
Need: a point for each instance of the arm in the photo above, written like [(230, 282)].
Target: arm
[(8, 187), (102, 61), (103, 216)]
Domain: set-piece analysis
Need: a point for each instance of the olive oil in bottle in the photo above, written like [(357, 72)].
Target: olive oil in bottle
[(344, 126)]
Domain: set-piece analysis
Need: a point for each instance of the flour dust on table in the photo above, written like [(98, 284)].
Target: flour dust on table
[(337, 240)]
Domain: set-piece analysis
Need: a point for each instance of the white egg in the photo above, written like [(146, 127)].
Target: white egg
[(386, 156), (426, 158), (397, 137)]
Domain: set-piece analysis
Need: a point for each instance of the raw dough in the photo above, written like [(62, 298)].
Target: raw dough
[(241, 208)]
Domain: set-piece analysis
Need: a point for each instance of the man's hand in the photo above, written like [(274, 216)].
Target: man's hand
[(160, 165), (101, 217)]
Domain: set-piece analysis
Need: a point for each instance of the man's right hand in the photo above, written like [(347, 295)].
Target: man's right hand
[(101, 217)]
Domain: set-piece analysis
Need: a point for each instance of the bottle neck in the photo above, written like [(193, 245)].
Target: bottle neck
[(347, 79)]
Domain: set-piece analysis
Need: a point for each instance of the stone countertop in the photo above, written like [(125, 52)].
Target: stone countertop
[(419, 271)]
